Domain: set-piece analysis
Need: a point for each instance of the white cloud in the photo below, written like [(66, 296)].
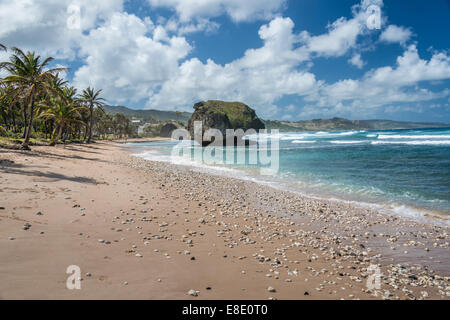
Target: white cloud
[(123, 59), (182, 28), (41, 25), (395, 34), (383, 86), (259, 78), (356, 61), (342, 34), (237, 10), (136, 60)]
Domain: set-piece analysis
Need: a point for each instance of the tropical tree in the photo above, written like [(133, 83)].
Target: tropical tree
[(30, 77), (93, 100), (65, 112), (103, 122)]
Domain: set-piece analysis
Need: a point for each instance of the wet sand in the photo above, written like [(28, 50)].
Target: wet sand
[(147, 230)]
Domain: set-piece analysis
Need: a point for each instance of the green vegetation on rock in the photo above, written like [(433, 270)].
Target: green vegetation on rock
[(222, 115)]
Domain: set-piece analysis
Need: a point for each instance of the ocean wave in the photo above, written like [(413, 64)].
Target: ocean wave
[(303, 141), (188, 161), (416, 142), (300, 135), (346, 141), (347, 133), (396, 136), (295, 137), (311, 189)]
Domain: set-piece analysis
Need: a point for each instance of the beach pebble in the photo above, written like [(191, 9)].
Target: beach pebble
[(271, 289), (101, 240), (11, 238), (138, 255), (39, 213), (193, 293)]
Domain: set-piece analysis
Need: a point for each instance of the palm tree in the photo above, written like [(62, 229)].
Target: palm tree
[(92, 99), (64, 112), (29, 76)]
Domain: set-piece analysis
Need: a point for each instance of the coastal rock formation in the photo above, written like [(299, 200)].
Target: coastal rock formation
[(223, 115), (167, 129)]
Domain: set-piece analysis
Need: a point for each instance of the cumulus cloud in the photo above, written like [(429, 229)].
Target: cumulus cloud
[(123, 58), (356, 61), (383, 86), (184, 28), (237, 10), (395, 34), (42, 25), (342, 34), (259, 78), (138, 60)]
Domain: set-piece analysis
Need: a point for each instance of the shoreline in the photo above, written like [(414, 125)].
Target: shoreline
[(421, 223), (395, 209), (244, 237)]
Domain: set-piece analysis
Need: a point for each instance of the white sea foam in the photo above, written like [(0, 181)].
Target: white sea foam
[(346, 141), (347, 133), (300, 135), (416, 142), (303, 141), (186, 161), (396, 209), (296, 137), (397, 136)]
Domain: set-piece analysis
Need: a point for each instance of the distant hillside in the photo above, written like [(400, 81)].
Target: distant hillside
[(336, 124), (150, 115), (303, 125)]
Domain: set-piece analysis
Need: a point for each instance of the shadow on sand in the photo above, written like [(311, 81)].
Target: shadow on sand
[(17, 169)]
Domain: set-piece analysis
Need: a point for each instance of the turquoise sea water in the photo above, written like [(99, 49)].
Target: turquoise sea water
[(404, 171)]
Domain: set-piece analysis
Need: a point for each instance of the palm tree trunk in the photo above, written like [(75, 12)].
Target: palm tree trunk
[(56, 135), (29, 128), (25, 122), (14, 121), (91, 122)]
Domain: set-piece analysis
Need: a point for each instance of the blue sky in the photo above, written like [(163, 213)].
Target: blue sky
[(288, 59)]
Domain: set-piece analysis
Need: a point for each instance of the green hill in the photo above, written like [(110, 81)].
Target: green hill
[(150, 115), (336, 124), (303, 125)]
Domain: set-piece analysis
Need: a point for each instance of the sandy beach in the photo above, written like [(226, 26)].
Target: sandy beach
[(150, 230)]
